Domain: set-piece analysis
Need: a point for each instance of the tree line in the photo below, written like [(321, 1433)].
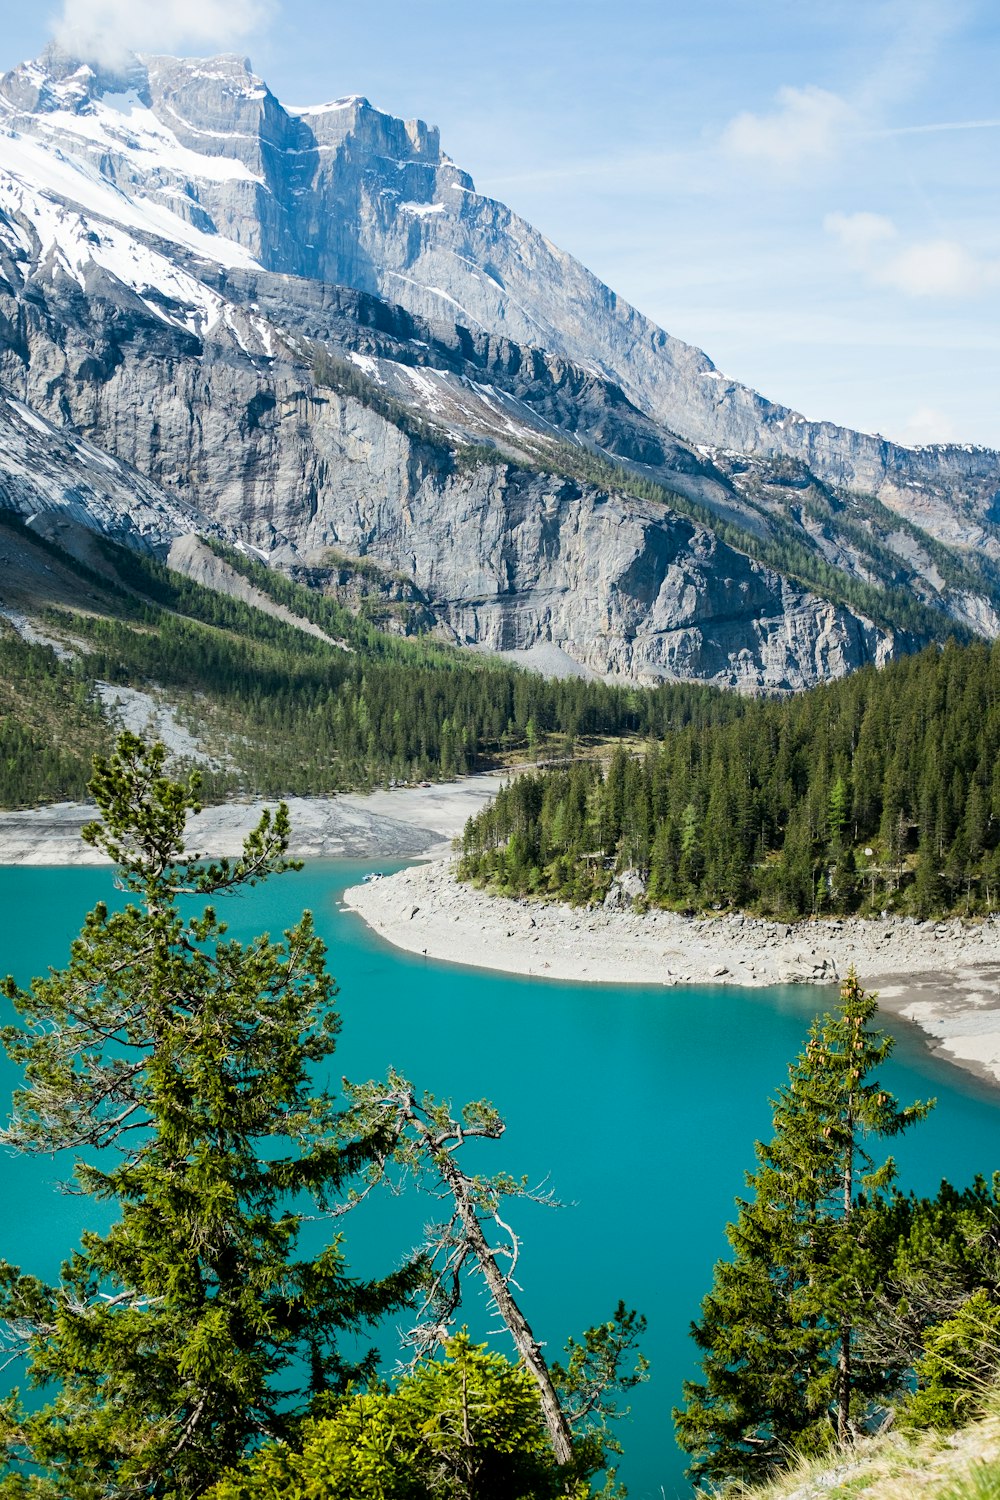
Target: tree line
[(286, 712), (881, 791)]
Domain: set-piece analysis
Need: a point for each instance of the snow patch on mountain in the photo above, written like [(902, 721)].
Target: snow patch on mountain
[(35, 179), (332, 107), (142, 139)]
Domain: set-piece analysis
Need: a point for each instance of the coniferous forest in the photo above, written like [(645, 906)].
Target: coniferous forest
[(879, 791), (283, 711)]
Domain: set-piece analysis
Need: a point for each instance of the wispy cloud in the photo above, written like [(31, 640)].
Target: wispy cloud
[(861, 233), (913, 34), (808, 124), (923, 268), (805, 126), (939, 125), (927, 425), (107, 31)]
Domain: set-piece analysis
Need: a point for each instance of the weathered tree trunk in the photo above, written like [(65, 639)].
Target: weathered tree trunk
[(520, 1331), (844, 1385)]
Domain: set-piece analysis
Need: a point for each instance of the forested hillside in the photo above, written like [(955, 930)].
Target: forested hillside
[(279, 710), (879, 791)]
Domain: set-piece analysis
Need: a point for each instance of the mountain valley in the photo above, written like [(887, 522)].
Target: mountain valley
[(302, 333)]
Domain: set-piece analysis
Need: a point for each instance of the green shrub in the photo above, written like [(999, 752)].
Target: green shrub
[(960, 1360)]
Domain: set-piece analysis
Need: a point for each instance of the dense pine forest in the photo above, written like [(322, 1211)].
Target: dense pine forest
[(284, 712), (878, 791)]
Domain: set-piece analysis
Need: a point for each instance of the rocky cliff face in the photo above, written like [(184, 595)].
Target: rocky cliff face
[(345, 194), (56, 480), (505, 559), (175, 253)]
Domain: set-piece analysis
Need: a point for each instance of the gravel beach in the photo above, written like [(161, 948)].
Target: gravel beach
[(402, 823), (943, 976)]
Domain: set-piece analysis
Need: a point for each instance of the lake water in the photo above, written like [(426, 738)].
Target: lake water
[(639, 1106)]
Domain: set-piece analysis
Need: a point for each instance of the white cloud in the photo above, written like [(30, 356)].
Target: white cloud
[(938, 268), (927, 425), (107, 30), (925, 268), (806, 126), (860, 233)]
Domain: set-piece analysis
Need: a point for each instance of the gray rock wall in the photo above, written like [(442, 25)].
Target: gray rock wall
[(348, 194), (506, 559)]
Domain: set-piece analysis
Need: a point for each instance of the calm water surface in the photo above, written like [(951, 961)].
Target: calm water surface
[(639, 1106)]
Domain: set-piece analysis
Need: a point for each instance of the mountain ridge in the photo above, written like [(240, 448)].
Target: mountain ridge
[(352, 122), (155, 228)]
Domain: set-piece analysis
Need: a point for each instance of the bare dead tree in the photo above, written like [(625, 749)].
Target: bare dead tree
[(422, 1136)]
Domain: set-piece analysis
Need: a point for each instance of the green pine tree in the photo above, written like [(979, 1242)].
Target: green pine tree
[(182, 1063), (779, 1329), (958, 1366)]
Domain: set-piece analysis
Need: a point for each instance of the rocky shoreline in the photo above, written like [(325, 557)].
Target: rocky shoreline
[(401, 824), (943, 976)]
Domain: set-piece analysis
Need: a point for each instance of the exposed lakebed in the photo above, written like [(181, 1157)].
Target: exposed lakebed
[(639, 1104)]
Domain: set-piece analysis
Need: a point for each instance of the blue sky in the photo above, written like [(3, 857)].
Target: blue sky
[(807, 193)]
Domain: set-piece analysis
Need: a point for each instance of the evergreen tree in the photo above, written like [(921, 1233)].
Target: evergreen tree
[(779, 1329), (196, 1325), (776, 806), (957, 1367)]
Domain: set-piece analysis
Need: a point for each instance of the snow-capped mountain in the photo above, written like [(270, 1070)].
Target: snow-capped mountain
[(176, 249)]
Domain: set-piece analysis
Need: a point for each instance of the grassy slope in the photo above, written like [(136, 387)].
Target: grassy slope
[(963, 1465)]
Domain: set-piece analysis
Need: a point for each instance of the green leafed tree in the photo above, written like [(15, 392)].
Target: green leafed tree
[(463, 1427), (179, 1068), (782, 1331), (957, 1367)]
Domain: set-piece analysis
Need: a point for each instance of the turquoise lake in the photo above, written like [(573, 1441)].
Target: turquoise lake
[(639, 1107)]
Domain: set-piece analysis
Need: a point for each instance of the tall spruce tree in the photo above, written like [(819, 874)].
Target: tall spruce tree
[(781, 1327), (183, 1064)]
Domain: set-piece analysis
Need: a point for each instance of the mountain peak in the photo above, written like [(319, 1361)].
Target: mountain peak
[(229, 72), (347, 101), (61, 80), (200, 152), (187, 239), (58, 80)]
